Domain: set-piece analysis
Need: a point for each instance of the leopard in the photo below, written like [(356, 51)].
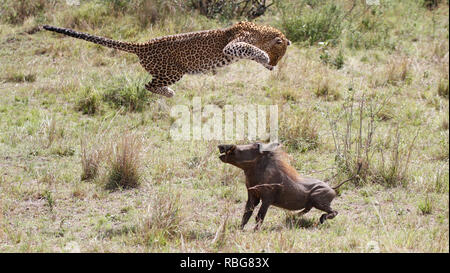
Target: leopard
[(168, 58)]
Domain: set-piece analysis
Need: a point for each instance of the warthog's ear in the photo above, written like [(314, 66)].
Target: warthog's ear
[(270, 147)]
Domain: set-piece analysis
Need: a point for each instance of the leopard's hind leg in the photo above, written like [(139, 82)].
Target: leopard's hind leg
[(159, 84), (164, 90)]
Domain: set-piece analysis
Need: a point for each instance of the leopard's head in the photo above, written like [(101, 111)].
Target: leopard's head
[(267, 38)]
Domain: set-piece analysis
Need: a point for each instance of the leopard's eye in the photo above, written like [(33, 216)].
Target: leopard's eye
[(279, 41)]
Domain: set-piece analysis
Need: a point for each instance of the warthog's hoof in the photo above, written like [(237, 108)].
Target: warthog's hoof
[(323, 218)]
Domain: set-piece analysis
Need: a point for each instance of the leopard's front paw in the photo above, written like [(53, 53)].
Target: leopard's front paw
[(263, 59), (268, 66)]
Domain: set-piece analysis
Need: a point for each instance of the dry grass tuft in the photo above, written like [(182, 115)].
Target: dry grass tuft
[(325, 89), (299, 129), (125, 163), (51, 131), (442, 89), (164, 221), (89, 101), (393, 170), (397, 70), (90, 161)]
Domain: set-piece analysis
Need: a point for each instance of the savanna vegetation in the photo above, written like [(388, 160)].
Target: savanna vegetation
[(87, 162)]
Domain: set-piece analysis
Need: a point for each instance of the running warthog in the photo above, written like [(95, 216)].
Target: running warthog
[(270, 178)]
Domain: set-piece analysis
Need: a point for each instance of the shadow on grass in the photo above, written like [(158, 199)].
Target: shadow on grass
[(297, 222)]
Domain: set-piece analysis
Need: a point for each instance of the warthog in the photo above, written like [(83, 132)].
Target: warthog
[(270, 178)]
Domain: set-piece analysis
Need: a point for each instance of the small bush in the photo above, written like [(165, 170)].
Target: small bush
[(165, 214), (89, 14), (47, 195), (299, 130), (397, 71), (89, 102), (17, 11), (442, 88), (164, 220), (392, 170), (353, 159), (125, 163), (425, 206), (146, 11), (324, 89), (385, 163), (432, 4), (127, 93), (18, 77), (369, 31), (337, 62), (227, 10), (320, 23), (90, 161)]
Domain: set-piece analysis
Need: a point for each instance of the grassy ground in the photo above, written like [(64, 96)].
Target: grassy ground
[(68, 106)]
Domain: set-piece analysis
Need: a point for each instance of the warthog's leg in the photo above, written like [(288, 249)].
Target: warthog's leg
[(262, 212), (305, 210), (252, 202), (330, 213)]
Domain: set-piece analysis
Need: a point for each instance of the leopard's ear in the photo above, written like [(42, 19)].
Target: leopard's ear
[(289, 42)]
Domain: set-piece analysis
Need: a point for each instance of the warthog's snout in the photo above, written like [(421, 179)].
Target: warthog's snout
[(225, 150)]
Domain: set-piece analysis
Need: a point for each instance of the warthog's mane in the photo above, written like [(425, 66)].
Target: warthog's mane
[(281, 162)]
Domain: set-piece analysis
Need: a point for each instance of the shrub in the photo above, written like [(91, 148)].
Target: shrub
[(89, 101), (432, 4), (128, 93), (392, 170), (324, 89), (397, 71), (18, 76), (164, 220), (146, 11), (89, 13), (125, 163), (313, 24), (353, 159), (299, 129), (16, 11), (227, 10), (337, 62), (165, 214), (356, 152), (425, 206), (90, 161), (47, 195), (442, 88), (368, 31)]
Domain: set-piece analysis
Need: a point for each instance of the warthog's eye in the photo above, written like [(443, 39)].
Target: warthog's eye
[(231, 150)]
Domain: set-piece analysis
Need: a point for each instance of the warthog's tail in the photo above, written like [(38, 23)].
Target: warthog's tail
[(351, 178)]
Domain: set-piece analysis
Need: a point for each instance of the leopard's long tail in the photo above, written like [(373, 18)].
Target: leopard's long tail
[(124, 46)]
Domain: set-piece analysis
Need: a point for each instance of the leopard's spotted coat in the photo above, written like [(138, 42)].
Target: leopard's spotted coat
[(168, 58)]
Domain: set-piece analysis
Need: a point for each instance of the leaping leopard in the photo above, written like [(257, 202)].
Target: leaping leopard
[(168, 58)]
